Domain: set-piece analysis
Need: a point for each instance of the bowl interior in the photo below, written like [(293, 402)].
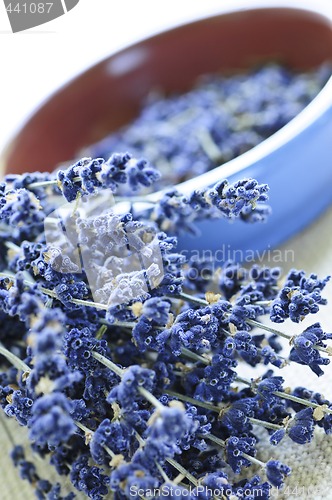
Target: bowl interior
[(110, 94)]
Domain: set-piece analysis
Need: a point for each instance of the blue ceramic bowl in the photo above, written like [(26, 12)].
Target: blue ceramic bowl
[(296, 161)]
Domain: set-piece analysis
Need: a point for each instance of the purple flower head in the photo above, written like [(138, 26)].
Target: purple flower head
[(299, 297), (89, 479), (231, 278), (117, 436), (20, 407), (176, 213), (268, 386), (244, 309), (18, 298), (245, 344), (130, 478), (198, 273), (50, 422), (276, 472), (98, 383), (235, 446), (127, 390), (88, 175), (78, 347), (277, 436), (98, 289), (46, 331), (217, 481), (217, 379), (171, 425), (144, 335), (28, 471), (301, 429), (252, 489), (270, 356), (17, 454), (236, 418), (156, 310), (304, 351)]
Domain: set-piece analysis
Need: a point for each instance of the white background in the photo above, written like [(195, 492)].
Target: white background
[(36, 62)]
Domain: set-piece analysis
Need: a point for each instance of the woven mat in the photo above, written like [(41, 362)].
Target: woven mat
[(311, 464)]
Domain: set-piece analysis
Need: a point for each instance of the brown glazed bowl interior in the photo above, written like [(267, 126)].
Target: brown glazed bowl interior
[(110, 94)]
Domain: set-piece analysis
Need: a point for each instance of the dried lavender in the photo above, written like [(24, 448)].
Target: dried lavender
[(146, 391)]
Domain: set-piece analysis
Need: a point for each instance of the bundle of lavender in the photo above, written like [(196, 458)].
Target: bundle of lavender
[(125, 360)]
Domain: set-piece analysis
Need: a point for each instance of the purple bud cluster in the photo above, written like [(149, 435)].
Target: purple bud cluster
[(88, 175), (299, 297), (176, 213)]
